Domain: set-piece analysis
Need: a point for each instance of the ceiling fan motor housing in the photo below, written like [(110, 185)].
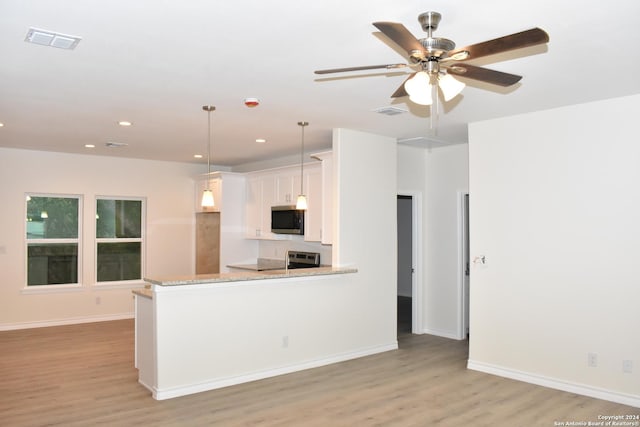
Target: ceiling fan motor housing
[(429, 20), (437, 46)]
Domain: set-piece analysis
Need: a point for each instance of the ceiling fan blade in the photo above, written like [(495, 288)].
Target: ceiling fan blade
[(400, 92), (365, 67), (519, 40), (400, 35), (483, 74)]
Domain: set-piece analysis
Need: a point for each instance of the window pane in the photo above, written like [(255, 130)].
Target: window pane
[(119, 261), (118, 219), (52, 264), (52, 218)]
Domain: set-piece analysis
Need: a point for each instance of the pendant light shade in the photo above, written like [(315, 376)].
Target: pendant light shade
[(207, 194), (207, 199), (301, 202)]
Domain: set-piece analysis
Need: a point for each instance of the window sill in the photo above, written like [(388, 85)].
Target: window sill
[(51, 289), (131, 284)]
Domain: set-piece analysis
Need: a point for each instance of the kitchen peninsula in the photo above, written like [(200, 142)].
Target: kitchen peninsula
[(198, 333)]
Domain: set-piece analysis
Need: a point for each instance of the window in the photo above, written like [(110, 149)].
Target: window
[(119, 239), (53, 227)]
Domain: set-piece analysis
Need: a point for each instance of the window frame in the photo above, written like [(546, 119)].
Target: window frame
[(78, 241), (141, 240)]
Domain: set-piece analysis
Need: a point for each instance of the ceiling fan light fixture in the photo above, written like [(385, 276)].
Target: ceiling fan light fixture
[(422, 98), (419, 88), (416, 83), (450, 86)]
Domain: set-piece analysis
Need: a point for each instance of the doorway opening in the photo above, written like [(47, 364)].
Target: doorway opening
[(465, 266), (409, 302)]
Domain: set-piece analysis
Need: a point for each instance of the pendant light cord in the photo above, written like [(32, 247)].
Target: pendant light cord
[(302, 125), (208, 145), (208, 109)]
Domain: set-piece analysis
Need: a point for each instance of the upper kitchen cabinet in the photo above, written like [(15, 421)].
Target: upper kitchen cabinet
[(313, 215), (260, 197), (287, 187), (279, 187), (326, 202)]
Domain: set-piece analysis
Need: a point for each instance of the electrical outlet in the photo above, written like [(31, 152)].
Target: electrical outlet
[(627, 366), (285, 341), (592, 360), (98, 300)]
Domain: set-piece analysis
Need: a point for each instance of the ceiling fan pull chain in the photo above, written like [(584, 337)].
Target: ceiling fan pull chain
[(435, 107)]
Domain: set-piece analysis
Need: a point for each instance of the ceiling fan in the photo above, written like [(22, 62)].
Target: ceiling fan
[(439, 60)]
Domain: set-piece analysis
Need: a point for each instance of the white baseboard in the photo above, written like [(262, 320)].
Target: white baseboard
[(443, 334), (555, 383), (68, 321), (171, 392)]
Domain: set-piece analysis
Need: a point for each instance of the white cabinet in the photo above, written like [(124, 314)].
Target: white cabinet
[(287, 187), (261, 195), (313, 216), (278, 187), (327, 196), (256, 220)]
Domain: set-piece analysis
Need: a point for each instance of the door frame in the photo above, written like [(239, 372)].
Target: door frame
[(416, 260), (463, 254)]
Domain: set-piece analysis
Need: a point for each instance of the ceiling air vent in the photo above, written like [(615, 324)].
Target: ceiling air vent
[(390, 111), (112, 144), (51, 38)]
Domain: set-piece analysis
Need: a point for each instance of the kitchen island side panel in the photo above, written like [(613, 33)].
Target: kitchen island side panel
[(144, 341), (219, 334)]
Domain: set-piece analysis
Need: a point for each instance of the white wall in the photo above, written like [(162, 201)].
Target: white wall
[(169, 191), (365, 232), (554, 208), (440, 175), (447, 178)]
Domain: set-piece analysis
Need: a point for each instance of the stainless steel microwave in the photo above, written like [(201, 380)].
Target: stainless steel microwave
[(287, 220)]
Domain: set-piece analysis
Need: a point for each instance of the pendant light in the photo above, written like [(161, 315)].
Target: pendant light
[(301, 202), (207, 194)]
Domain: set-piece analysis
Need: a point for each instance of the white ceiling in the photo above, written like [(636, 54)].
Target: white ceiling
[(156, 63)]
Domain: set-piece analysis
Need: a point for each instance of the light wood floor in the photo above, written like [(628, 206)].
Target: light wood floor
[(83, 375)]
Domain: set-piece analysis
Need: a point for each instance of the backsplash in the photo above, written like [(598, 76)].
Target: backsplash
[(277, 249)]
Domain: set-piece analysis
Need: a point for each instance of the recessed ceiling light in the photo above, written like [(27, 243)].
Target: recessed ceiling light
[(1, 125), (51, 38), (261, 140), (124, 123), (197, 156), (89, 146)]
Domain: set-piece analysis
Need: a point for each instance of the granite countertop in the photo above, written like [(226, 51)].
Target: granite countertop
[(261, 264), (248, 275), (146, 292)]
